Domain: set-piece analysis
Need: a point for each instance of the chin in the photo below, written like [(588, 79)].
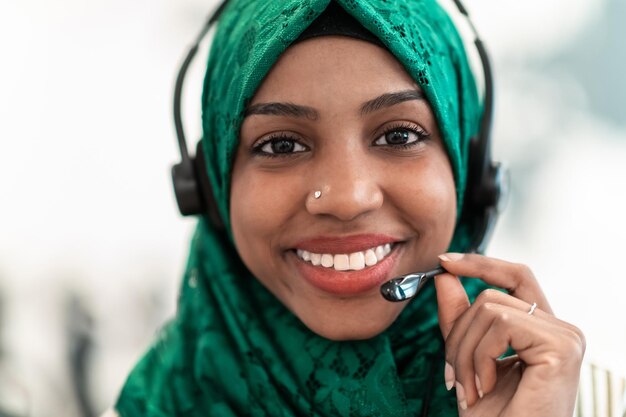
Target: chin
[(344, 333), (360, 325)]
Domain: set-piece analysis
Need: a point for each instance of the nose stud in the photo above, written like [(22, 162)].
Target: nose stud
[(317, 194)]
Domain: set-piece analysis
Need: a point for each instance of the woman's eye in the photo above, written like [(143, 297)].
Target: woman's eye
[(279, 146), (400, 137)]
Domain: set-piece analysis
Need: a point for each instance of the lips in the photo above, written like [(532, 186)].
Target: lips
[(349, 265)]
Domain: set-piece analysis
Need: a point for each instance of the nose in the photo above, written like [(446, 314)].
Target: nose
[(349, 188)]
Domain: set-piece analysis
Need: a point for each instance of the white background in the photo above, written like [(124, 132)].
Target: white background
[(87, 211)]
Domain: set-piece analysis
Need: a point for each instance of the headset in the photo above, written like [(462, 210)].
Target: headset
[(487, 181)]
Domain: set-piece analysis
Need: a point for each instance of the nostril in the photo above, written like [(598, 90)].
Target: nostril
[(346, 202)]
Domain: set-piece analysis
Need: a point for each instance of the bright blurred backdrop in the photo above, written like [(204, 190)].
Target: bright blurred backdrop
[(91, 243)]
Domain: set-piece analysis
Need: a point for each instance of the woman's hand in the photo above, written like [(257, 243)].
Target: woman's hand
[(542, 379)]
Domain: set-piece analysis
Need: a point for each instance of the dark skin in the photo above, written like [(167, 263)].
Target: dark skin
[(542, 379), (342, 117)]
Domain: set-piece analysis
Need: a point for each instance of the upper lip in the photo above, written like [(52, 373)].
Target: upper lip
[(344, 244)]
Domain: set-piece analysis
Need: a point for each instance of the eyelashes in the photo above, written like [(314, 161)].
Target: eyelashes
[(402, 136), (397, 136), (279, 145)]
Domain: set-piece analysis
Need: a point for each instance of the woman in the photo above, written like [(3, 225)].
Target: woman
[(336, 140)]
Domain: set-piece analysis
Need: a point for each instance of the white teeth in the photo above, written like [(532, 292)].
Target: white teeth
[(357, 261), (341, 262), (346, 262), (316, 259), (327, 260), (370, 258), (380, 252)]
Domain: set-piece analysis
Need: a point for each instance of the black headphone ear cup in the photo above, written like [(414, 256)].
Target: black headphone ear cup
[(206, 190), (186, 188), (192, 188)]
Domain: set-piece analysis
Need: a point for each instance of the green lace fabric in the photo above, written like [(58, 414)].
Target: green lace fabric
[(233, 349)]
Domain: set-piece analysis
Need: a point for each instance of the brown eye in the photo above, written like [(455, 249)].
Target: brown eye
[(401, 136), (282, 146), (397, 137), (279, 146)]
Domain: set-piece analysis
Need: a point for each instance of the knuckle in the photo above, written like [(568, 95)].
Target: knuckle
[(583, 341), (581, 336), (555, 360), (486, 308), (487, 295), (567, 352), (567, 358), (503, 319), (574, 340), (523, 272), (577, 342)]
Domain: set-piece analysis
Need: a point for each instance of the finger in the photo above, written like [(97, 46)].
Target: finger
[(452, 301), (517, 279), (468, 329), (465, 322), (536, 341), (477, 372), (475, 363), (472, 327), (548, 351)]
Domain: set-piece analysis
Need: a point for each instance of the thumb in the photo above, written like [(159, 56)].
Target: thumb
[(452, 301)]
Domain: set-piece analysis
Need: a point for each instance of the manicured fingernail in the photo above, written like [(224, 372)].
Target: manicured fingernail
[(448, 374), (460, 396), (451, 257), (479, 386)]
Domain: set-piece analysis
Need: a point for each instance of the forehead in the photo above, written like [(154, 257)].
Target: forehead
[(328, 69)]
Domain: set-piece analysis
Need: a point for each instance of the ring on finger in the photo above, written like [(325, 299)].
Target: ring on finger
[(532, 309)]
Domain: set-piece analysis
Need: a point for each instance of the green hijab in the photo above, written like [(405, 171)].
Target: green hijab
[(233, 349)]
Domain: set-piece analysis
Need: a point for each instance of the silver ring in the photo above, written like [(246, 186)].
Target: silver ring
[(532, 309), (317, 194)]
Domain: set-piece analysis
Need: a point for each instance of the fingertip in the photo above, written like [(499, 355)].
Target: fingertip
[(479, 386), (449, 376), (486, 378), (451, 257), (460, 396)]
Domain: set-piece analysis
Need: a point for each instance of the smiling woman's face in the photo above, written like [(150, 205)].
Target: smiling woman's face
[(343, 117)]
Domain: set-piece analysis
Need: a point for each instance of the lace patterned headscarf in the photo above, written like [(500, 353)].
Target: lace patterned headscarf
[(233, 349)]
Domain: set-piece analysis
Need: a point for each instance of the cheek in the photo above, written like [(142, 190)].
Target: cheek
[(429, 200), (261, 204), (441, 195)]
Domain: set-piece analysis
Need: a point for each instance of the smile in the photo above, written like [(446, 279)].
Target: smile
[(355, 261)]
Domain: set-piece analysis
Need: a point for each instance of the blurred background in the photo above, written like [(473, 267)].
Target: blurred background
[(92, 246)]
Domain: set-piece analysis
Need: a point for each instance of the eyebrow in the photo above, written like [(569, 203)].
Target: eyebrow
[(390, 99), (283, 109), (297, 110)]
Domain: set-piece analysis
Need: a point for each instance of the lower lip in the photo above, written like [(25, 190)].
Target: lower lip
[(346, 283)]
